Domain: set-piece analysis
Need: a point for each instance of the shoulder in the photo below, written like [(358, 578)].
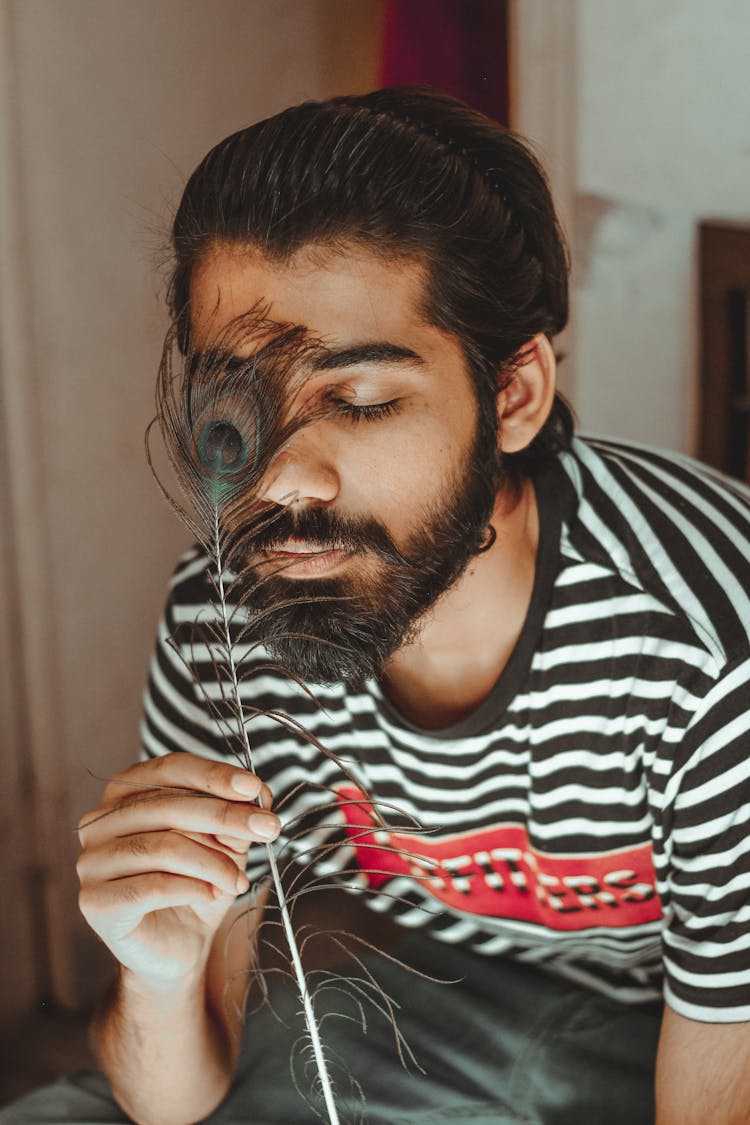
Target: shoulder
[(644, 466), (671, 527), (190, 582)]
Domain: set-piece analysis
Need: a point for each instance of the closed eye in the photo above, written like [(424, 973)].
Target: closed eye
[(366, 413)]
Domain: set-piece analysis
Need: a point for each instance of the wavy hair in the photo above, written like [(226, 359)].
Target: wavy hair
[(407, 172)]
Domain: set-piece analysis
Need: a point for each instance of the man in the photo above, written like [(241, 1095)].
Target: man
[(532, 655)]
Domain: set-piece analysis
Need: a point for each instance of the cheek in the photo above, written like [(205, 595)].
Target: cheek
[(406, 466)]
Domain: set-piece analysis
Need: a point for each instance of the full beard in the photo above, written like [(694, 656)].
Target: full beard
[(344, 629)]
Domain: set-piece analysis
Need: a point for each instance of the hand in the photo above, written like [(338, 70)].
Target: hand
[(164, 858)]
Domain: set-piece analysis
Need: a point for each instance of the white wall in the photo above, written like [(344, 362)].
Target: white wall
[(663, 141), (107, 108)]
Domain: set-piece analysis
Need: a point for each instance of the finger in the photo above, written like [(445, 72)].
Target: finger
[(186, 812), (118, 907), (185, 771), (233, 844), (161, 851)]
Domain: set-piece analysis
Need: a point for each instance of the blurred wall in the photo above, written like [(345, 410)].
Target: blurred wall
[(543, 42), (663, 140), (106, 107)]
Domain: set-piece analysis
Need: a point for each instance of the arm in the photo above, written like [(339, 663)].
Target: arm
[(160, 871), (702, 1072)]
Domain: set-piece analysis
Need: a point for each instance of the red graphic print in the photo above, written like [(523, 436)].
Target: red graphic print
[(497, 873)]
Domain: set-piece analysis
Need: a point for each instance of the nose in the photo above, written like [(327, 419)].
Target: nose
[(301, 473)]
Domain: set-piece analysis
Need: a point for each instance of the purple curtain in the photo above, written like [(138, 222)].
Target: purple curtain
[(460, 46)]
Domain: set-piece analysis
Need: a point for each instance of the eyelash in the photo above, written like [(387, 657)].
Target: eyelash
[(369, 413)]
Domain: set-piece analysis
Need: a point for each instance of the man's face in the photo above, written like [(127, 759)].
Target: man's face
[(380, 504)]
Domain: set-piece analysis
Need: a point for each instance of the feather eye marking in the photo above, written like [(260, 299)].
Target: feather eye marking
[(222, 447)]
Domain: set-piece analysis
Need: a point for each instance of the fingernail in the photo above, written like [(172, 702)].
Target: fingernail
[(264, 825), (266, 797), (246, 784), (242, 882)]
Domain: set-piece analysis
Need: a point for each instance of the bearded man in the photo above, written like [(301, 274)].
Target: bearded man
[(530, 647)]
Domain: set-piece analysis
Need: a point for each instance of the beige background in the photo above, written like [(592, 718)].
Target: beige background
[(106, 107), (641, 111)]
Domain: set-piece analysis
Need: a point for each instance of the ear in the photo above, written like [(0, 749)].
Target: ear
[(524, 404)]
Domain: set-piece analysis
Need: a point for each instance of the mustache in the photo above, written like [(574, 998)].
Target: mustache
[(326, 530)]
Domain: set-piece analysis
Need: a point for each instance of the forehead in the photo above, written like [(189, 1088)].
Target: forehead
[(340, 296)]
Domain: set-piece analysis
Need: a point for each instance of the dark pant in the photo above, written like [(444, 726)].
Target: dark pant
[(507, 1043)]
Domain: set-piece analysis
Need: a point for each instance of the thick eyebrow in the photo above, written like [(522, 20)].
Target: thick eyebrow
[(327, 359), (331, 359)]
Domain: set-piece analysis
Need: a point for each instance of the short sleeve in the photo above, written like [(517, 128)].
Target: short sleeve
[(706, 824)]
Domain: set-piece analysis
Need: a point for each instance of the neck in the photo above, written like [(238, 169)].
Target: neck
[(467, 638)]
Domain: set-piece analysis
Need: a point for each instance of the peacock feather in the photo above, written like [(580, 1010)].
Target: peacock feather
[(225, 412)]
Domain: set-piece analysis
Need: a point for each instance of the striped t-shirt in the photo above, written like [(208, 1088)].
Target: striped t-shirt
[(592, 815)]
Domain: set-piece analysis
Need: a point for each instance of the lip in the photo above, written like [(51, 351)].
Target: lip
[(296, 562)]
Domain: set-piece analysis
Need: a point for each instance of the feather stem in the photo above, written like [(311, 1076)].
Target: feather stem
[(299, 972)]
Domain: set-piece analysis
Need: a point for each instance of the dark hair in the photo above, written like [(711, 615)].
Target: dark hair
[(406, 171)]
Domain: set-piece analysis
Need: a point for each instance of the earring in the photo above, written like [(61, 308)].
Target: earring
[(489, 540)]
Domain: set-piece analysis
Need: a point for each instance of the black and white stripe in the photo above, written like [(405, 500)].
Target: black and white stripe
[(622, 720)]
